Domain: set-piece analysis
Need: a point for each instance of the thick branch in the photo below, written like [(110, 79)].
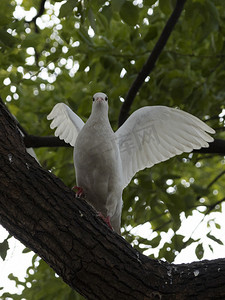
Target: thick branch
[(43, 141), (150, 63), (40, 12), (38, 209), (218, 146)]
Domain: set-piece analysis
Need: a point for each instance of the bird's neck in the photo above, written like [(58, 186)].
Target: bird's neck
[(99, 113), (99, 119)]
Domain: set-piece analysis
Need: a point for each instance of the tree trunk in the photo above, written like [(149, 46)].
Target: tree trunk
[(40, 211)]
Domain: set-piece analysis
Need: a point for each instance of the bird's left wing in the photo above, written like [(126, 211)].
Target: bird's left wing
[(67, 123), (153, 134)]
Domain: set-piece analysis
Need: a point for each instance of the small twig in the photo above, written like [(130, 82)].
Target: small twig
[(212, 206), (215, 179), (163, 225), (157, 217)]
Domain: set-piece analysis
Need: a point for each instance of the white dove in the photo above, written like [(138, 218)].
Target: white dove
[(105, 161)]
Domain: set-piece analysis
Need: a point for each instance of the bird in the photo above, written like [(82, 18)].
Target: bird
[(105, 161)]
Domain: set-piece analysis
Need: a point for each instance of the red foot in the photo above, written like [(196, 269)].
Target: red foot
[(105, 219), (80, 191)]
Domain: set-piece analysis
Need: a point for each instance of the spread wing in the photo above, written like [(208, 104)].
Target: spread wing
[(154, 134), (67, 123)]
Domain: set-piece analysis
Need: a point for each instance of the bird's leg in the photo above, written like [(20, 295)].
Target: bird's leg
[(80, 191), (105, 219)]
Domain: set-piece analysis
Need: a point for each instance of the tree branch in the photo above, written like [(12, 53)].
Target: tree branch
[(39, 210), (212, 206), (44, 141), (218, 146), (216, 178), (150, 63)]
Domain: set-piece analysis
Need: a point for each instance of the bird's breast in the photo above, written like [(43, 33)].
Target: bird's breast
[(98, 168), (96, 143)]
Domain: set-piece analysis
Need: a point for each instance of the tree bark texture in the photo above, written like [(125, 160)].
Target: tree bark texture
[(40, 211)]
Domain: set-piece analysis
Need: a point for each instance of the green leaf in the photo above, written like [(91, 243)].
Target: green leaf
[(7, 38), (167, 252), (202, 17), (91, 18), (199, 251), (151, 34), (211, 248), (66, 9), (155, 242), (190, 241), (218, 226), (166, 6), (129, 13), (149, 2), (6, 13), (82, 33), (177, 241), (212, 237), (4, 246), (214, 15), (105, 17), (31, 40), (26, 250), (116, 4)]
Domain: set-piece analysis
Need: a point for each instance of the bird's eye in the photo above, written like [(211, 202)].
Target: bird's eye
[(93, 98), (106, 98)]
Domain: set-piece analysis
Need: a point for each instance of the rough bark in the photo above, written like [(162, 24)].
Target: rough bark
[(39, 210)]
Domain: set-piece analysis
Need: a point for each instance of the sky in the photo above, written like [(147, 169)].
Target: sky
[(16, 263)]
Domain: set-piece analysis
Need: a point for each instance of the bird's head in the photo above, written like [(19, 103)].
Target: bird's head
[(100, 102)]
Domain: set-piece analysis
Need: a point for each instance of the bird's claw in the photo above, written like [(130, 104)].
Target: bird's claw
[(105, 219), (79, 191)]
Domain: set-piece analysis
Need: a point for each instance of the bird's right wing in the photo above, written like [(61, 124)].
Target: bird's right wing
[(67, 123), (153, 134)]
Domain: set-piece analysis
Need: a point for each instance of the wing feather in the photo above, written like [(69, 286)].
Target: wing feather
[(67, 123), (154, 134)]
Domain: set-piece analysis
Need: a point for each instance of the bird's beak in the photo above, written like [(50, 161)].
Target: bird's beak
[(99, 99)]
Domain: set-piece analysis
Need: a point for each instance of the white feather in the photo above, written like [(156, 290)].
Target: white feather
[(67, 123), (154, 134)]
